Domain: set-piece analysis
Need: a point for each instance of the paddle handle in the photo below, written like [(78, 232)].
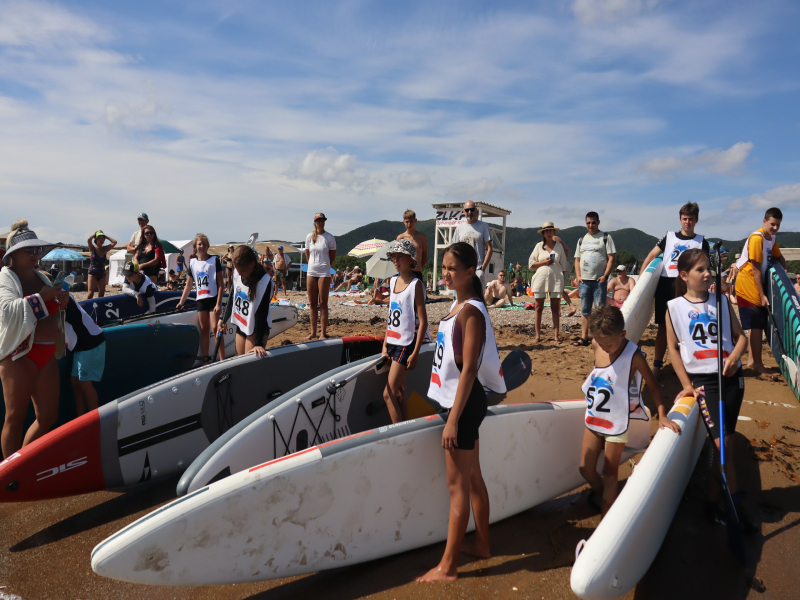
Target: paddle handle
[(720, 361)]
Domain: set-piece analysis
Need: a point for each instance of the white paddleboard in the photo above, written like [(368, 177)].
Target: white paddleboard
[(627, 540), (366, 496), (638, 307)]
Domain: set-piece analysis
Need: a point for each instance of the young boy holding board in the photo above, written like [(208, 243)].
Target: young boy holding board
[(613, 394), (408, 326), (692, 331)]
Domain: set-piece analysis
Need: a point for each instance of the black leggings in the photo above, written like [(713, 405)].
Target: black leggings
[(731, 402)]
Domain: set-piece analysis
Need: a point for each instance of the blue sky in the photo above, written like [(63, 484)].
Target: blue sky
[(235, 117)]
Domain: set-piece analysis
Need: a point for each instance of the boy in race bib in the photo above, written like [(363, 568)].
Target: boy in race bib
[(205, 273), (408, 326), (613, 396)]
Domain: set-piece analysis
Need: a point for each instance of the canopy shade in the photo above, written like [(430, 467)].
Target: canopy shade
[(63, 254), (380, 266), (367, 248)]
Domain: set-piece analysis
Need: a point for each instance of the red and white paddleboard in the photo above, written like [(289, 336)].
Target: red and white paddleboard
[(159, 430)]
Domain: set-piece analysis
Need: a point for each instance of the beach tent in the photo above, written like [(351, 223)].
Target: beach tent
[(117, 261)]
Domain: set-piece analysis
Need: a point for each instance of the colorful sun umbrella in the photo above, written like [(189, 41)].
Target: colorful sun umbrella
[(367, 248)]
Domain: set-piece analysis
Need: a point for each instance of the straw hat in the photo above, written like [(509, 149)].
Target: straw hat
[(548, 225)]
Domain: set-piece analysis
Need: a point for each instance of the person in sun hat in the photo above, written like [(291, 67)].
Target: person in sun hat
[(31, 338), (320, 254), (549, 258)]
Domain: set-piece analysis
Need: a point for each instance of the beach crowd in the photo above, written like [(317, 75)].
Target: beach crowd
[(40, 321)]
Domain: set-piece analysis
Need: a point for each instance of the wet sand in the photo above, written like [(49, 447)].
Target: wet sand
[(45, 546)]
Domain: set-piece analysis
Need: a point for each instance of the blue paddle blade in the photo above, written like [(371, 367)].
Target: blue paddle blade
[(516, 369)]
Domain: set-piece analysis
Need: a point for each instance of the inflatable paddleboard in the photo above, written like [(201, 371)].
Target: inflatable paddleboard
[(136, 356), (638, 307), (306, 417), (786, 310), (121, 307), (628, 538), (159, 430), (365, 496), (283, 317)]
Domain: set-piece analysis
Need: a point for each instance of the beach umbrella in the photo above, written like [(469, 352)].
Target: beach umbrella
[(380, 266), (367, 248), (59, 254)]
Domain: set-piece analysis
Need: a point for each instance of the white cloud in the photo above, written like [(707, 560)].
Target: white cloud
[(785, 196), (409, 181), (476, 190), (716, 162), (609, 11), (328, 167), (43, 26)]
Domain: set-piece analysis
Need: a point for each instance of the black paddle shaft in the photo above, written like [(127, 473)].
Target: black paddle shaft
[(735, 540)]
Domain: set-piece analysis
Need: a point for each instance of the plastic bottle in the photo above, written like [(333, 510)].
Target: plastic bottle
[(68, 281)]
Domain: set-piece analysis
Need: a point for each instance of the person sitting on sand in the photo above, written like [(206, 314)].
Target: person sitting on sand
[(380, 294), (355, 279), (466, 366), (498, 292), (408, 326), (621, 286), (619, 366), (172, 280)]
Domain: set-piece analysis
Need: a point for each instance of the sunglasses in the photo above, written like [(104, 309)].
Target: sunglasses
[(466, 210), (592, 223), (149, 233), (34, 250)]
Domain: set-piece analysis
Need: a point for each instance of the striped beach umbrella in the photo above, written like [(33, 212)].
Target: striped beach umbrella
[(367, 248)]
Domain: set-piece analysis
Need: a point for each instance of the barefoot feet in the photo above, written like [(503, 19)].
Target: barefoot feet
[(438, 574)]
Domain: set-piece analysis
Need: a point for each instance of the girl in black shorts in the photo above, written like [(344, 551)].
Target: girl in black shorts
[(692, 332), (205, 274), (465, 351)]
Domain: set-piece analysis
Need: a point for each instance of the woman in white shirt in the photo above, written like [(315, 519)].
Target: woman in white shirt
[(320, 253), (550, 261)]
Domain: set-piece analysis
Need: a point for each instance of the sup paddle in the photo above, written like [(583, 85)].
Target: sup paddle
[(791, 367), (735, 539), (516, 370)]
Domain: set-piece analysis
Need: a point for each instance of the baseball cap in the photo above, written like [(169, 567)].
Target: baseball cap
[(622, 268), (98, 233), (280, 247), (143, 215), (320, 215), (130, 268)]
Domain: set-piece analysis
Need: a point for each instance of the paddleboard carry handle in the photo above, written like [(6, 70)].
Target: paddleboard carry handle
[(735, 540), (335, 386)]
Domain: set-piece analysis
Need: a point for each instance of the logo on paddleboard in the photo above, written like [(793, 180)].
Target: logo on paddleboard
[(53, 471)]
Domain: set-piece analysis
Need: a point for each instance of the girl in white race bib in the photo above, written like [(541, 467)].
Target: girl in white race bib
[(465, 351), (205, 273), (407, 329), (248, 304), (613, 397), (692, 331)]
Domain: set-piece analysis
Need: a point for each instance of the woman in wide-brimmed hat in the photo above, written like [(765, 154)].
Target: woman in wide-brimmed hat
[(31, 338), (550, 261)]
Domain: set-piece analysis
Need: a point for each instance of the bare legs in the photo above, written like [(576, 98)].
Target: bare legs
[(465, 484), (324, 291), (394, 394), (555, 310), (607, 485), (756, 361), (85, 396), (96, 285), (313, 302), (661, 346), (23, 382)]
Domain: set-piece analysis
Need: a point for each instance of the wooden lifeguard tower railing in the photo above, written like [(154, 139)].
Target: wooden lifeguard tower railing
[(450, 214)]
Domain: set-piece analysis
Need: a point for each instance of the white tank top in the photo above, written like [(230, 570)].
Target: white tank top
[(614, 397), (766, 255), (673, 248), (695, 326), (445, 373), (402, 328), (204, 273), (244, 311)]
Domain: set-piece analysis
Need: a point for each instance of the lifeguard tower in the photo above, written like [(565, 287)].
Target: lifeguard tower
[(450, 215)]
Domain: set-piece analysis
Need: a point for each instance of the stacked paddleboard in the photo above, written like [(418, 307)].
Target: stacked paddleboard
[(628, 538), (364, 496), (785, 307), (121, 307), (159, 430), (639, 305)]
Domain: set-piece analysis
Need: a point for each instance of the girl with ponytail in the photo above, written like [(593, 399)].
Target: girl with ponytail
[(465, 366)]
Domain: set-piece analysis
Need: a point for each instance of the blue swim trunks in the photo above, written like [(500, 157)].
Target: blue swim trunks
[(88, 365)]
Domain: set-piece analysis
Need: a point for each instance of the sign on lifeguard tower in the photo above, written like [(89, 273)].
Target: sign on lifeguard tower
[(449, 218)]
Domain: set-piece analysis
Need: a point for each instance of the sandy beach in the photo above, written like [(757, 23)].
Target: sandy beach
[(46, 545)]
